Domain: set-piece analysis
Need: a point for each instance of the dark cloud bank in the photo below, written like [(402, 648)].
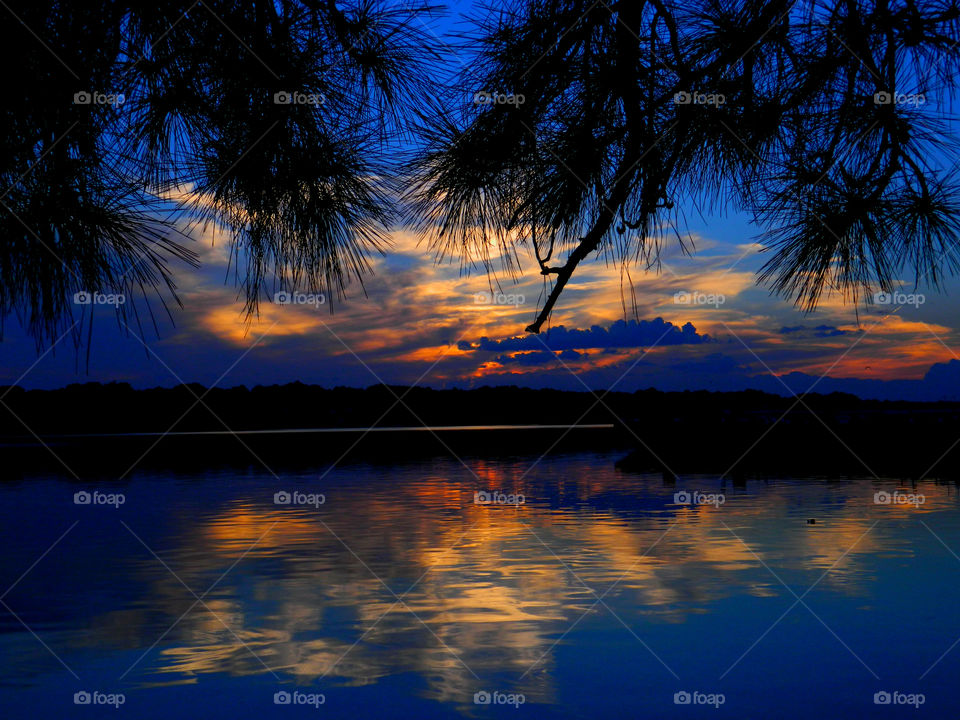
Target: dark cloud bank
[(621, 334), (716, 371)]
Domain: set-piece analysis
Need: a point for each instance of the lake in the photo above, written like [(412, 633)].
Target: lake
[(551, 588)]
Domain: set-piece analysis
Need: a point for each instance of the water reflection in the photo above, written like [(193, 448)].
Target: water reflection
[(483, 589), (401, 572)]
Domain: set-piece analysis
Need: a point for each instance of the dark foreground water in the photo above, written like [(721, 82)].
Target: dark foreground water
[(401, 596)]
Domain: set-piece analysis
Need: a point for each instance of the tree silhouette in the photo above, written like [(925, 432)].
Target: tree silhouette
[(597, 123), (582, 127), (271, 119)]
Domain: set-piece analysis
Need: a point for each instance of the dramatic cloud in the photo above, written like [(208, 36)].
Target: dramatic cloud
[(417, 322), (621, 334)]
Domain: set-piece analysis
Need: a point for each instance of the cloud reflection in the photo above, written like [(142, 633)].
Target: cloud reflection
[(487, 591)]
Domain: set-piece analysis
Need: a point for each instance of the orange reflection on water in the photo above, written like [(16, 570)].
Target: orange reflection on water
[(414, 576)]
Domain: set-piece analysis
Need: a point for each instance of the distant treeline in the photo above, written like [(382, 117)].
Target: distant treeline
[(119, 408), (729, 433)]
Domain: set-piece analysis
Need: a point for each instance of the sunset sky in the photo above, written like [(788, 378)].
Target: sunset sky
[(419, 322)]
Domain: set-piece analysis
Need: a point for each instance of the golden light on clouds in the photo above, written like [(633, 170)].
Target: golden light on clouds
[(874, 356), (227, 323), (413, 311)]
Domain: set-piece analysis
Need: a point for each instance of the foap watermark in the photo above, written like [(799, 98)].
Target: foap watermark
[(484, 97), (896, 497), (695, 697), (85, 297), (699, 98), (895, 697), (95, 697), (285, 297), (315, 700), (83, 497), (498, 298), (299, 498), (894, 98), (899, 298), (495, 497), (495, 697), (295, 97), (698, 298), (95, 97), (694, 497)]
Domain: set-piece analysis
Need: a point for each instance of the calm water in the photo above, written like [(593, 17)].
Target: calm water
[(400, 596)]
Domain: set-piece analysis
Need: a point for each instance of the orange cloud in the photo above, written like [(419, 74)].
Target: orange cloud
[(230, 324)]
